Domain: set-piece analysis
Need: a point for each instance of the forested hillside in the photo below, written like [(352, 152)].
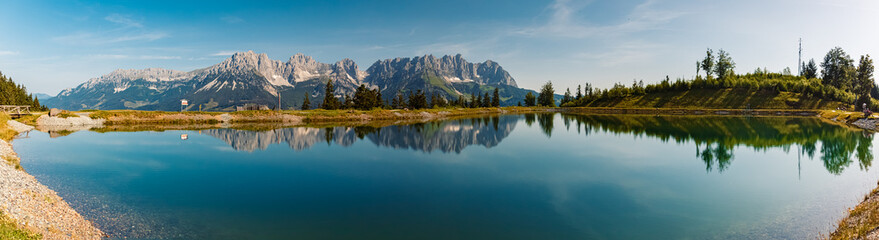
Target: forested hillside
[(842, 82), (15, 94)]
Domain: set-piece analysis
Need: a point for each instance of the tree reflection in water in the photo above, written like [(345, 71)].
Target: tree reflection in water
[(716, 136)]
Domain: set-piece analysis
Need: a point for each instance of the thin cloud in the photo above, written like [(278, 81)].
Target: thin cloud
[(130, 30), (563, 21), (5, 53), (123, 20), (138, 57), (223, 53), (139, 37), (622, 54), (85, 38), (109, 56), (232, 19), (150, 57)]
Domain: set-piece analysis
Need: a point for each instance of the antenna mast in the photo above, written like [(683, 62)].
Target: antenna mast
[(800, 59)]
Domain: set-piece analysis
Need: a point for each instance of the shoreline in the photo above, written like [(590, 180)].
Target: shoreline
[(862, 220), (129, 120), (33, 207)]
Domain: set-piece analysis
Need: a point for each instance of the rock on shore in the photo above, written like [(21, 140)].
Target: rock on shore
[(869, 124)]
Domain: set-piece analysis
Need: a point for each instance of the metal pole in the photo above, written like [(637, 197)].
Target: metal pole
[(800, 59)]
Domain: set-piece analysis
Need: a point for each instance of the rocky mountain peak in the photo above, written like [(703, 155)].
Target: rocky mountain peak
[(301, 59), (249, 77)]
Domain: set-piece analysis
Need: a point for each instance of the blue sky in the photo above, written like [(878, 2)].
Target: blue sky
[(52, 45)]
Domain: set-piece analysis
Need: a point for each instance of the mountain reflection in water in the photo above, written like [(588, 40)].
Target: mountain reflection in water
[(715, 137), (445, 136)]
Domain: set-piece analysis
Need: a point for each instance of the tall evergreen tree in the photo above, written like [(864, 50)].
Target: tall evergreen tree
[(567, 97), (399, 102), (530, 100), (864, 80), (330, 101), (496, 99), (306, 104), (708, 63), (725, 66), (546, 97), (15, 94), (486, 100), (810, 70), (417, 100), (838, 69), (478, 101)]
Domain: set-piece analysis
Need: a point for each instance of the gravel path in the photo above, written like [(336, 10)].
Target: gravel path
[(37, 207)]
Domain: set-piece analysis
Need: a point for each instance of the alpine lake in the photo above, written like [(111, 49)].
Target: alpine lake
[(528, 176)]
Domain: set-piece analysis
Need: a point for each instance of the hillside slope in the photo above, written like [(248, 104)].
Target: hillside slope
[(721, 99)]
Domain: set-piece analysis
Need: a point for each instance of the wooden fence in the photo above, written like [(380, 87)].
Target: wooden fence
[(15, 110)]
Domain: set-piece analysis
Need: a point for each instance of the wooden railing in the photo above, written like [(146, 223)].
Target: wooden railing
[(15, 110)]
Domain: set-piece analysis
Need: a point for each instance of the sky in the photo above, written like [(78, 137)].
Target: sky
[(52, 45)]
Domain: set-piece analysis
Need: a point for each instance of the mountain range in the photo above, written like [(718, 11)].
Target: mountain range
[(252, 78)]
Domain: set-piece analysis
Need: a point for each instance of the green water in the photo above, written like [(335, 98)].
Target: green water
[(544, 176)]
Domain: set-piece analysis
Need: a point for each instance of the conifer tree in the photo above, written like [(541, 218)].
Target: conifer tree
[(306, 104), (496, 99), (330, 101)]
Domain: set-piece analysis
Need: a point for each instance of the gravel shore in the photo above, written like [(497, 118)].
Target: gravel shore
[(35, 206), (81, 120)]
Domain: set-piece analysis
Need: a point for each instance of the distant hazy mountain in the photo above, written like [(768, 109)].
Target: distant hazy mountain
[(42, 96), (248, 77)]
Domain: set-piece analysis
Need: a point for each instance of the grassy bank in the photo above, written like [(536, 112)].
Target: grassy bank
[(10, 231), (729, 98), (862, 221)]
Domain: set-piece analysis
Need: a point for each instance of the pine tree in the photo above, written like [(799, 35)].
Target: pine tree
[(546, 97), (530, 100), (379, 101), (15, 94), (579, 93), (330, 101), (349, 102), (496, 100), (306, 104)]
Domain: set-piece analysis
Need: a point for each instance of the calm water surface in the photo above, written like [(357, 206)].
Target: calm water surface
[(546, 176)]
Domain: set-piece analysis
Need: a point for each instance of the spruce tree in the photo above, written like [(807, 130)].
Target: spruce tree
[(330, 102), (306, 104), (496, 99), (547, 95), (486, 100)]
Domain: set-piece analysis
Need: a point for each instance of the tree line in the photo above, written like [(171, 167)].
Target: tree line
[(15, 94), (839, 79), (365, 98)]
